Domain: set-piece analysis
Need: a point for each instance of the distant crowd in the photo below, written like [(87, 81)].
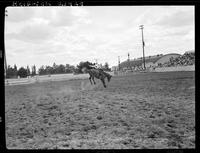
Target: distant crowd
[(183, 60), (186, 59)]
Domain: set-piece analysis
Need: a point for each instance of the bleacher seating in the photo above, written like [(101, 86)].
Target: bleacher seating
[(186, 59)]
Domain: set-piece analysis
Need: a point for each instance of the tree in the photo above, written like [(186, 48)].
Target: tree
[(54, 65), (71, 68), (15, 70), (28, 71), (61, 69), (41, 70), (55, 68), (15, 67), (33, 70), (67, 68), (11, 72), (22, 72), (49, 70)]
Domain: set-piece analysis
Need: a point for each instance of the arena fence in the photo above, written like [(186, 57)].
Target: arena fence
[(158, 69), (177, 68), (46, 78)]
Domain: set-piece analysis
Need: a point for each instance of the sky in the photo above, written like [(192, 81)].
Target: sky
[(69, 35)]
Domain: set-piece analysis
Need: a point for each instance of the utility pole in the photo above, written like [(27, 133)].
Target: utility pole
[(5, 66), (142, 27), (5, 62), (119, 62), (129, 61)]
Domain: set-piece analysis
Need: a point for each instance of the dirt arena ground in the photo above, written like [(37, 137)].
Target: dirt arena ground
[(146, 110)]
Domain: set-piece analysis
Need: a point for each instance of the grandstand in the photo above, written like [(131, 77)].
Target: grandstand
[(188, 58), (150, 61), (160, 60)]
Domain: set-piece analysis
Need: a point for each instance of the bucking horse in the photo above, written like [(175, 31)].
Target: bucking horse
[(97, 73)]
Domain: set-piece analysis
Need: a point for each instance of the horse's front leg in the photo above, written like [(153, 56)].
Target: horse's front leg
[(90, 79), (93, 80)]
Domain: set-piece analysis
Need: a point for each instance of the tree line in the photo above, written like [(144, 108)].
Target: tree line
[(22, 72), (56, 69), (13, 72)]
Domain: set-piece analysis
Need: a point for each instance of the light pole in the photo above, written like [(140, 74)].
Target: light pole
[(119, 62), (142, 27), (129, 67)]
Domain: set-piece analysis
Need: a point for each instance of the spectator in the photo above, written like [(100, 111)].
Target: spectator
[(184, 60)]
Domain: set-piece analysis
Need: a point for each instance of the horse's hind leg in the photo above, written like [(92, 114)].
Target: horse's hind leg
[(102, 80), (109, 77), (90, 79)]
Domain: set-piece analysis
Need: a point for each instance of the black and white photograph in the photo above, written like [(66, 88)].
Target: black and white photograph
[(100, 77)]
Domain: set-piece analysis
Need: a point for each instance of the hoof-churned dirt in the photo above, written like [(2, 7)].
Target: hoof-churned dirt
[(148, 110)]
